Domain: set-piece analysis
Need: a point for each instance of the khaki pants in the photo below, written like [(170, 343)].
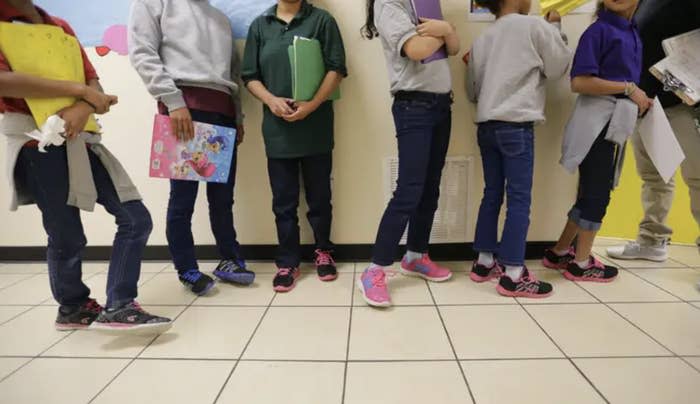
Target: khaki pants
[(657, 196)]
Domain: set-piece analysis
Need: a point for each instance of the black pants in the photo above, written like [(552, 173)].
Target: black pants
[(596, 177), (284, 181)]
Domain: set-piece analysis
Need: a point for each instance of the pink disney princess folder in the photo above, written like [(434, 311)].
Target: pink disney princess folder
[(207, 157)]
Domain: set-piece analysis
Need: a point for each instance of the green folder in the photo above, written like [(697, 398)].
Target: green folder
[(308, 69)]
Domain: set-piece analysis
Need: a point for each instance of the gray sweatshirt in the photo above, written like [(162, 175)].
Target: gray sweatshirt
[(183, 43), (508, 65)]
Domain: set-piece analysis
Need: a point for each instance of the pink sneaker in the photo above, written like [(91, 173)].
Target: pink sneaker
[(425, 268), (372, 284)]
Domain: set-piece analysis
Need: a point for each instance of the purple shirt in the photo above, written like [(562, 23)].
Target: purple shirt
[(610, 49)]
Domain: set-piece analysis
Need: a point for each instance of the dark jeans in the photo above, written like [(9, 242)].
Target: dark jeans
[(284, 181), (507, 155), (423, 133), (46, 177), (596, 177), (183, 195)]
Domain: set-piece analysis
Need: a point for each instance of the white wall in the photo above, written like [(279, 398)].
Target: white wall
[(364, 137)]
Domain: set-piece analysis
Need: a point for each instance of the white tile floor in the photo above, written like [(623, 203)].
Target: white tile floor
[(634, 341)]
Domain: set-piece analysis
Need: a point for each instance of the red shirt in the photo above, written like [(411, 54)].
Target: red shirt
[(9, 14)]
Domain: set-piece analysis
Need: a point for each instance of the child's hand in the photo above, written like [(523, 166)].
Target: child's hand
[(281, 107), (434, 28), (76, 117), (642, 100), (99, 100), (182, 126), (303, 110), (240, 134), (553, 16)]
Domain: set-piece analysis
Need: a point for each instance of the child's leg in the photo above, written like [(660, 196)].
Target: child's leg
[(46, 176), (567, 237), (220, 198), (486, 236), (183, 195), (284, 181), (414, 127), (421, 222), (316, 171), (516, 145)]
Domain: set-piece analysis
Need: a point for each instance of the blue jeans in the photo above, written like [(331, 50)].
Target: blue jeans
[(46, 176), (284, 181), (183, 195), (507, 154), (423, 129)]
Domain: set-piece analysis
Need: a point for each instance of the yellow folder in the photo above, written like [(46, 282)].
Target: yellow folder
[(45, 51), (563, 7)]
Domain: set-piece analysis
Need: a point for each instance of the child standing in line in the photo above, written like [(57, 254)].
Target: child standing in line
[(69, 178), (184, 52), (298, 135), (423, 119), (508, 65), (605, 74)]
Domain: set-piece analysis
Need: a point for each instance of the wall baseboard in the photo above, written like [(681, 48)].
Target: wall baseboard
[(266, 252)]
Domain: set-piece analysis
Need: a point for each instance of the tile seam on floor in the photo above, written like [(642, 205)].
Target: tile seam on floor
[(28, 277), (347, 348), (673, 353), (452, 347), (585, 377), (245, 347), (659, 287), (122, 370)]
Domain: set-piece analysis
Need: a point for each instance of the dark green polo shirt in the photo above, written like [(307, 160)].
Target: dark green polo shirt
[(266, 59)]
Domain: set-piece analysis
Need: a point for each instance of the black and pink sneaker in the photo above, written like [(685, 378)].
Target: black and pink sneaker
[(482, 273), (595, 271), (130, 318), (553, 260), (325, 266), (285, 279), (526, 286), (77, 317)]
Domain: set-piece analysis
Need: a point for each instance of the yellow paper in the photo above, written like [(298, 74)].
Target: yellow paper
[(563, 7), (45, 51)]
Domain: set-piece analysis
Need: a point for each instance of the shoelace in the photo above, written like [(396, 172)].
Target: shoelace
[(529, 277), (324, 258), (379, 277), (192, 275), (284, 271), (93, 306), (231, 265)]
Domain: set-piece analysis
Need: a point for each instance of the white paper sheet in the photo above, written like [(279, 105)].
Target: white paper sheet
[(660, 142)]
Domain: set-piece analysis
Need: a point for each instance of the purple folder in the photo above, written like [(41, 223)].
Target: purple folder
[(430, 9)]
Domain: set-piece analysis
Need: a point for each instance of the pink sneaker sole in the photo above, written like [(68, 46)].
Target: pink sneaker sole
[(415, 274), (568, 275), (328, 278), (480, 279), (285, 289), (70, 327), (549, 264), (368, 300), (504, 292)]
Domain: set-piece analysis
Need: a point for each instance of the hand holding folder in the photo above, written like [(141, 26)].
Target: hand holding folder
[(430, 9), (308, 69), (44, 51)]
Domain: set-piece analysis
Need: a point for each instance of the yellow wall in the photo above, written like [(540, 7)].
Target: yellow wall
[(625, 210)]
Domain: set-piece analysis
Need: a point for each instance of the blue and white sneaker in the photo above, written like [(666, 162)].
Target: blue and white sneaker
[(234, 271), (196, 281)]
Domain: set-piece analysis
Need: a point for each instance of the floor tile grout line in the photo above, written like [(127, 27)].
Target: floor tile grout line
[(18, 314), (340, 361), (29, 276), (122, 370), (347, 348), (658, 286), (33, 358), (245, 347), (673, 353), (452, 346), (585, 377)]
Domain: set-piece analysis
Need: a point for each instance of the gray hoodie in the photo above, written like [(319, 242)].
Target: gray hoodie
[(183, 43)]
